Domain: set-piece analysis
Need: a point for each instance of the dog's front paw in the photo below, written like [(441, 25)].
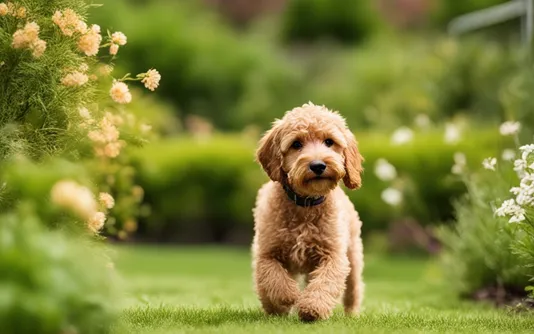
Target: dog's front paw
[(310, 310)]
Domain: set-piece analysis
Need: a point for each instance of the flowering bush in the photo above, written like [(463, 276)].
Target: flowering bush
[(63, 134), (492, 244), (53, 81)]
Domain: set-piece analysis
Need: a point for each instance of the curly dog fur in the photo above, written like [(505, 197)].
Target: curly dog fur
[(320, 242)]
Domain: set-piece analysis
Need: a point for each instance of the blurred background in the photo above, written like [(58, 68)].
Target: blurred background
[(413, 94)]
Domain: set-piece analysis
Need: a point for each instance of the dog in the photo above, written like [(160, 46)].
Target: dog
[(304, 223)]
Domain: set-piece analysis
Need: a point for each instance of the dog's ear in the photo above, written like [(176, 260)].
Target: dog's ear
[(269, 155), (353, 163)]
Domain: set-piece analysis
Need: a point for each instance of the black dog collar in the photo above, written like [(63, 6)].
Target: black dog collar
[(300, 200)]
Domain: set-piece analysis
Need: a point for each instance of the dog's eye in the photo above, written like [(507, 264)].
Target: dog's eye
[(329, 142), (296, 145)]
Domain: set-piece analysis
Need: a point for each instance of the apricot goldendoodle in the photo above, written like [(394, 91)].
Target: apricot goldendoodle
[(304, 223)]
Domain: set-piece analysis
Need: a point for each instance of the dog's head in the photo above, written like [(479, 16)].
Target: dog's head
[(311, 149)]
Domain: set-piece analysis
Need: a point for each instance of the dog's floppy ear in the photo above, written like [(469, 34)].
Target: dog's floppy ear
[(353, 163), (269, 155)]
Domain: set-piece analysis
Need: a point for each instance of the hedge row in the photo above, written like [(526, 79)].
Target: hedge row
[(205, 190)]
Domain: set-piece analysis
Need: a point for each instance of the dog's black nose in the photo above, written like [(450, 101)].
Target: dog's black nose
[(317, 166)]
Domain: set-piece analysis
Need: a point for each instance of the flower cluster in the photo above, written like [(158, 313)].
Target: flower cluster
[(28, 38), (106, 137), (10, 8), (116, 39), (89, 43), (81, 201), (69, 22), (515, 208), (74, 79), (386, 172), (120, 92)]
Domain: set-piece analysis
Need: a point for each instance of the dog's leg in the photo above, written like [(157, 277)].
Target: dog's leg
[(326, 283), (353, 297), (277, 290)]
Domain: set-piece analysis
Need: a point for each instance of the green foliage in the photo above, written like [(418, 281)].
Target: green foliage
[(52, 282), (344, 21), (36, 109), (209, 69), (480, 250), (197, 187), (388, 82), (205, 187)]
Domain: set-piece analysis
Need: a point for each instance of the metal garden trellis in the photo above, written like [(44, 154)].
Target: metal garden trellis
[(523, 9)]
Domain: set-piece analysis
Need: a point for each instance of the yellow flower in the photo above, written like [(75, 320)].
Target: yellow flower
[(107, 200), (118, 38), (75, 79), (21, 13), (3, 9), (120, 93), (151, 79)]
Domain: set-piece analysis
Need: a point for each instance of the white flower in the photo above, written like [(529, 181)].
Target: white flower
[(517, 218), (402, 136), (508, 154), (384, 170), (422, 120), (118, 38), (526, 150), (459, 163), (509, 128), (489, 163), (391, 196), (520, 166), (452, 133), (510, 209)]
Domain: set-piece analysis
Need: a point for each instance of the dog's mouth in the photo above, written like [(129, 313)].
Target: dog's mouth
[(320, 178)]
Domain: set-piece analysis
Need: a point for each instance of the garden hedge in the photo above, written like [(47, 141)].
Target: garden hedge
[(204, 190)]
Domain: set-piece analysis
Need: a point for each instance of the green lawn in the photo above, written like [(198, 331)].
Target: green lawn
[(205, 289)]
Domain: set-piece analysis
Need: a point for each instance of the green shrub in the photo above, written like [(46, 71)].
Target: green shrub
[(387, 83), (209, 69), (344, 21), (207, 188), (52, 282), (480, 250)]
